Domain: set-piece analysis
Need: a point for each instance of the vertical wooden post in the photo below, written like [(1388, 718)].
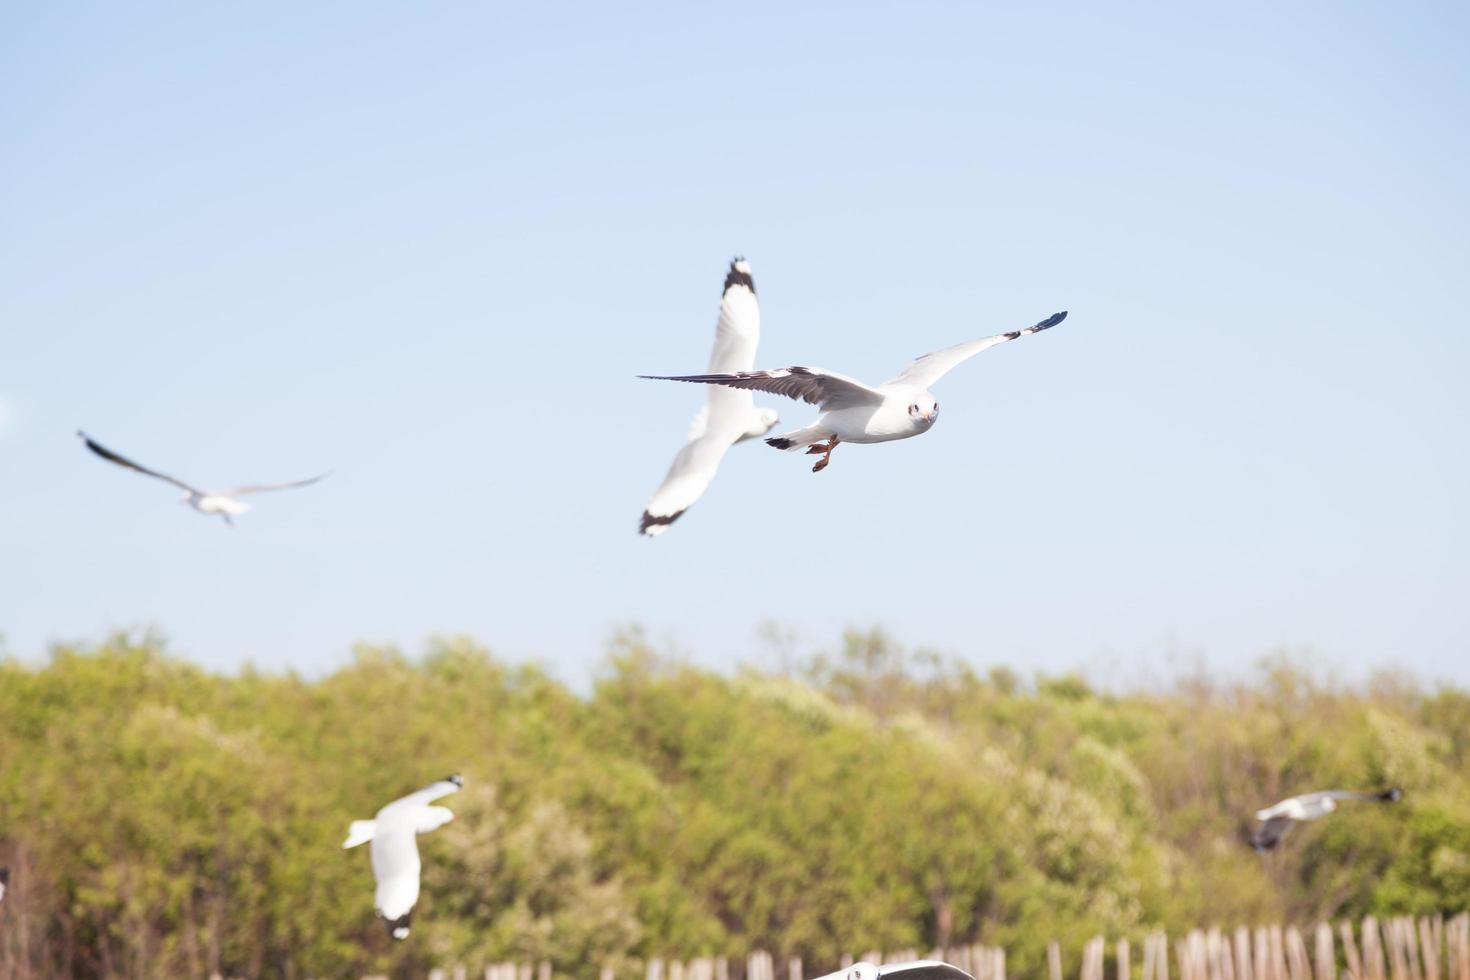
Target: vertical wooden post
[(793, 969), (1326, 965), (1350, 950), (1054, 960), (1124, 960), (1243, 969), (1428, 948)]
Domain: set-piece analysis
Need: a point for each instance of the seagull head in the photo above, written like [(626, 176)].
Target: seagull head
[(924, 411)]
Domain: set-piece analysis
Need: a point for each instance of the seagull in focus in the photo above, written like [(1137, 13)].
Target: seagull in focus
[(221, 502), (728, 417), (395, 852), (911, 970), (855, 412), (1277, 820)]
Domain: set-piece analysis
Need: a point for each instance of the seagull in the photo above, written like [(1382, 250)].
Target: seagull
[(4, 882), (396, 853), (221, 502), (1277, 820), (855, 412), (727, 417), (911, 970)]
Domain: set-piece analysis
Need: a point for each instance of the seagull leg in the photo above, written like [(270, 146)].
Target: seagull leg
[(826, 452)]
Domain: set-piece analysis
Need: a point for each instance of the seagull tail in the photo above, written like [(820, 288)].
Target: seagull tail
[(793, 441), (360, 832)]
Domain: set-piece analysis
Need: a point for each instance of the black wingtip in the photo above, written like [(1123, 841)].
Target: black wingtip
[(399, 928), (1391, 795), (662, 520), (739, 274), (1052, 320), (455, 778), (780, 443)]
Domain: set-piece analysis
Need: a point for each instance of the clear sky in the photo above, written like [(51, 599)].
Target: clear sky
[(429, 247)]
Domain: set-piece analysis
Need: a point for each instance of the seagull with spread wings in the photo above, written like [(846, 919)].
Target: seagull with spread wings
[(395, 852), (728, 417), (1277, 820), (221, 502), (855, 412)]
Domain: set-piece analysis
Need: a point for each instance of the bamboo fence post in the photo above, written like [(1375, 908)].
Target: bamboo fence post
[(1373, 962), (1326, 953), (1411, 946), (1054, 960), (1181, 954), (722, 968), (1350, 950), (1227, 959), (1148, 957), (1262, 962), (979, 962), (998, 970), (1429, 948), (1123, 957), (1278, 953), (1243, 969), (1464, 955)]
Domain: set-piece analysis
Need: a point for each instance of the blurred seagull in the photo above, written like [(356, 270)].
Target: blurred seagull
[(4, 882), (395, 853), (727, 417), (1277, 820), (852, 411), (221, 502), (911, 970)]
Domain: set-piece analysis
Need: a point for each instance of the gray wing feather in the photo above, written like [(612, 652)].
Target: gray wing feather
[(826, 389), (113, 457)]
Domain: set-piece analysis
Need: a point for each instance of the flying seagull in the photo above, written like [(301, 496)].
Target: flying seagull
[(4, 882), (1277, 820), (221, 502), (911, 970), (396, 853), (727, 417), (855, 412)]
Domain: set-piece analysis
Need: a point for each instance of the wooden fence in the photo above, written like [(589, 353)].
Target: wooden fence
[(1403, 948)]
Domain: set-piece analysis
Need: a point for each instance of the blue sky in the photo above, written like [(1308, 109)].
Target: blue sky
[(430, 247)]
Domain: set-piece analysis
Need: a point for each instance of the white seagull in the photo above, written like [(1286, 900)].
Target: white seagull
[(396, 853), (911, 970), (852, 411), (221, 502), (727, 417), (1277, 820)]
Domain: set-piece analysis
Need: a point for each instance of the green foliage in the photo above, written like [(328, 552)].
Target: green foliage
[(162, 820)]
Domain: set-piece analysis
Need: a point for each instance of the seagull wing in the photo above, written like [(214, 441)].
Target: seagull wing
[(826, 389), (693, 468), (113, 457), (395, 856), (719, 422), (422, 797), (1270, 832), (926, 370), (738, 330), (923, 970), (263, 487)]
